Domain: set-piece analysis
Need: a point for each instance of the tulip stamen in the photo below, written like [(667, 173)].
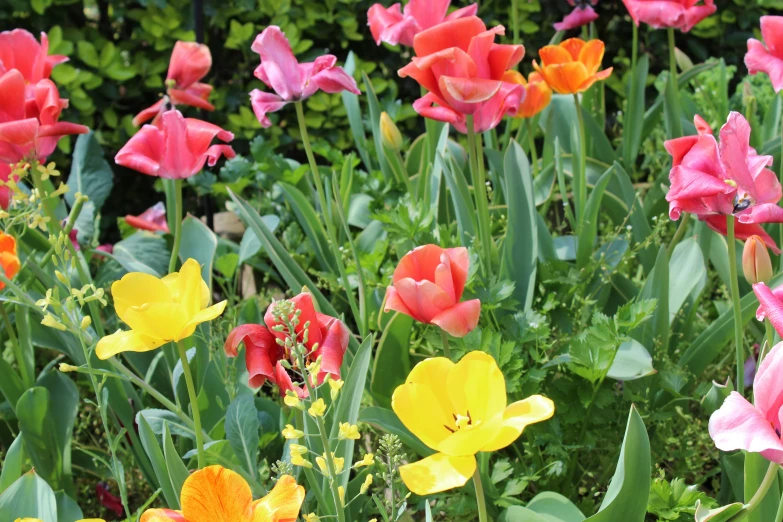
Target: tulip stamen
[(741, 203)]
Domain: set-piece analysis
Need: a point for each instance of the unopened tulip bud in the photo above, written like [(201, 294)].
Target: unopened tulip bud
[(390, 134), (756, 263)]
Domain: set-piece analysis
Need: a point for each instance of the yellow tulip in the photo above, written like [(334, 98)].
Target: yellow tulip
[(158, 310), (459, 410)]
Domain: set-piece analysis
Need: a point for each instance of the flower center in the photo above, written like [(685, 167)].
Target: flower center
[(462, 422), (741, 202)]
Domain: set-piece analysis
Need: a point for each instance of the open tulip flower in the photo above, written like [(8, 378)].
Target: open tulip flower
[(582, 14), (153, 219), (662, 14), (394, 27), (459, 410), (463, 70), (29, 129), (217, 494), (572, 66), (538, 94), (158, 311), (21, 51), (290, 80), (9, 260), (174, 148), (327, 337), (768, 58), (712, 180)]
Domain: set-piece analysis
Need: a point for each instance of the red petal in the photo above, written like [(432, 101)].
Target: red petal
[(460, 319)]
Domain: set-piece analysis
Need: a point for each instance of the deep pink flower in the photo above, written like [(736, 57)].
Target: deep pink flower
[(21, 51), (29, 129), (768, 59), (108, 500), (582, 14), (5, 192), (152, 219), (175, 148), (106, 247), (770, 305), (661, 14), (290, 80), (713, 180), (394, 27)]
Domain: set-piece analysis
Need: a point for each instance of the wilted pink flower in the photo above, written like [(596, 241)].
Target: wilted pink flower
[(768, 58), (661, 14), (290, 80), (108, 500), (394, 27), (152, 219), (21, 51), (582, 14)]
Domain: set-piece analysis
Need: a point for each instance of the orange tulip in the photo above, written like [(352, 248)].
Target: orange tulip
[(572, 66), (538, 93), (9, 261)]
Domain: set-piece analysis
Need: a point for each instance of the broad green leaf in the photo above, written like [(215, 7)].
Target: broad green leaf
[(312, 224), (671, 109), (687, 272), (142, 252), (250, 244), (589, 230), (354, 112), (91, 174), (37, 427), (242, 431), (634, 109), (756, 468), (63, 410), (386, 420), (721, 514), (555, 504), (67, 508), (715, 397), (375, 125), (158, 461), (12, 463), (392, 359), (177, 470), (460, 198), (10, 384), (632, 361), (656, 332), (29, 497), (156, 418), (199, 243)]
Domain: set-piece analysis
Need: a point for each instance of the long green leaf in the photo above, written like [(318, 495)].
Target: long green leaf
[(354, 113), (29, 497), (177, 470), (634, 109), (460, 198), (386, 420), (158, 461), (12, 464), (392, 359), (199, 243), (242, 431), (312, 224), (589, 229)]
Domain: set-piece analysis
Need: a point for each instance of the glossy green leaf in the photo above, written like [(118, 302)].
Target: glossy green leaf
[(242, 431), (721, 514), (632, 361), (354, 113), (142, 252), (589, 230), (634, 109), (375, 124), (158, 460), (687, 272), (392, 359), (177, 470), (91, 174), (250, 244), (37, 427), (67, 508), (460, 198), (199, 243), (312, 224), (12, 463), (555, 504), (656, 331), (30, 496)]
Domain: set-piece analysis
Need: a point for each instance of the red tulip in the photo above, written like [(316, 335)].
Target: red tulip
[(152, 219), (394, 27), (21, 51), (768, 59), (679, 14), (713, 180), (582, 14), (428, 284), (463, 69), (175, 148), (327, 337), (190, 62), (29, 129)]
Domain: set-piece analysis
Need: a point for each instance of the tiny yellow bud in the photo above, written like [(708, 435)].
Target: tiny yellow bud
[(348, 431), (335, 387), (297, 449), (366, 485), (390, 134), (292, 433), (368, 460), (61, 277), (65, 368), (298, 460), (341, 492), (86, 322), (52, 322), (318, 408)]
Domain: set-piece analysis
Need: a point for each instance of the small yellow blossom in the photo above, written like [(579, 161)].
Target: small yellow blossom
[(292, 433), (297, 451), (318, 408), (368, 460), (366, 485), (312, 517), (339, 464), (292, 401), (348, 431), (52, 322), (335, 387), (86, 322), (314, 368), (61, 277), (65, 368), (47, 171), (341, 492)]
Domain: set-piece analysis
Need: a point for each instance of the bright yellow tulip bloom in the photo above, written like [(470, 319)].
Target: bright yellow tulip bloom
[(458, 410), (217, 494), (158, 311)]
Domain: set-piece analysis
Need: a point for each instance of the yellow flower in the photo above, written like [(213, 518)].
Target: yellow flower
[(65, 368), (48, 170), (218, 494), (335, 387), (368, 460), (52, 322), (292, 433), (318, 408), (348, 431), (314, 368), (458, 410), (366, 485), (292, 401), (339, 464), (296, 451), (312, 517), (341, 492), (39, 520), (158, 310)]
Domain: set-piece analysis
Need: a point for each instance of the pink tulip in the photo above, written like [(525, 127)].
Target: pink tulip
[(428, 284), (5, 192), (770, 305), (290, 80), (190, 62), (21, 51), (768, 59), (152, 219), (582, 14), (394, 27), (29, 129), (175, 148), (739, 424), (661, 14), (713, 180)]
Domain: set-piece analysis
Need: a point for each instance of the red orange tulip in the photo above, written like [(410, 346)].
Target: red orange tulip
[(572, 66), (538, 96)]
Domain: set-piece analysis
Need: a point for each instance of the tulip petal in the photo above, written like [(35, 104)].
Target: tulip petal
[(158, 320), (577, 18), (460, 319), (279, 68), (739, 425), (394, 302), (468, 90), (433, 372), (459, 264), (284, 383), (742, 231), (437, 473), (162, 515), (282, 504), (759, 59), (765, 213), (424, 299), (149, 113), (333, 80), (333, 344), (591, 54), (144, 151), (770, 306), (137, 288), (126, 341), (420, 409), (186, 288), (385, 24), (767, 386), (261, 351), (519, 415), (263, 103), (477, 385), (216, 493), (456, 33), (190, 62), (427, 13), (566, 78), (203, 316)]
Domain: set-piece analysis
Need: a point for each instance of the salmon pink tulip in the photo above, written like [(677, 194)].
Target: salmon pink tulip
[(190, 62), (582, 14), (770, 305), (428, 284), (152, 219), (768, 58), (176, 148), (661, 14), (290, 80), (713, 180), (29, 129), (21, 51), (572, 66), (394, 27), (327, 337), (463, 70)]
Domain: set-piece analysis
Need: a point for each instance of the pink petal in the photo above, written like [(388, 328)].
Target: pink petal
[(304, 303), (577, 18), (702, 127), (152, 219), (460, 265), (759, 59), (742, 231), (190, 98), (284, 382), (770, 305), (178, 160), (419, 264), (389, 25), (428, 13), (464, 12), (772, 32), (768, 387), (331, 80), (440, 112), (424, 299), (764, 213), (394, 302), (455, 33), (460, 319), (696, 14), (21, 51), (12, 103), (144, 151), (734, 151), (738, 425), (190, 62), (333, 344), (505, 102), (279, 68), (149, 113), (264, 103)]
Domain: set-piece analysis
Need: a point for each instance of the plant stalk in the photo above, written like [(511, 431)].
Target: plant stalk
[(480, 193), (480, 500), (735, 298), (769, 478), (679, 233), (444, 337), (183, 357), (16, 347), (580, 177), (177, 226), (532, 143)]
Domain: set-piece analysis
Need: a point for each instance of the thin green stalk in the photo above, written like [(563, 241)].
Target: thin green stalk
[(480, 500), (404, 174), (770, 340), (444, 337), (677, 130), (735, 298), (183, 357), (779, 514), (479, 191), (532, 143), (679, 233), (750, 507), (580, 177), (629, 100), (177, 226), (16, 347), (315, 487)]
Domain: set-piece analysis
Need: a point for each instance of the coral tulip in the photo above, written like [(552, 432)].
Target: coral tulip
[(463, 70), (768, 58), (713, 180), (175, 148), (428, 284), (459, 410), (538, 93), (29, 129), (756, 263), (327, 337), (9, 260), (572, 66), (679, 14), (290, 80), (158, 310), (152, 219), (190, 62), (582, 14), (394, 27), (217, 494), (21, 51), (770, 305)]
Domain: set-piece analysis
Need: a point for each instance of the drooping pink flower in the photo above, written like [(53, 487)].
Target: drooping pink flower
[(768, 58), (662, 14), (29, 129), (153, 219), (393, 26), (712, 180), (176, 148), (21, 51), (463, 70), (428, 284), (190, 62), (290, 80), (582, 14), (770, 305)]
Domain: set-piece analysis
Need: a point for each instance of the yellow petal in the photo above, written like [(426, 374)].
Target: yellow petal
[(216, 493), (476, 387), (207, 314), (189, 283), (177, 283), (518, 415), (158, 320), (471, 439), (121, 341), (136, 289), (282, 504), (433, 373), (420, 411), (437, 473), (162, 515)]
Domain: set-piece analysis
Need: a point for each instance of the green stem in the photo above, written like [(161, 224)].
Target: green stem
[(480, 193), (769, 478), (779, 514), (177, 226), (736, 304), (672, 57), (183, 357), (679, 233), (444, 337), (16, 347), (315, 487), (676, 131), (532, 143), (480, 500), (770, 340), (580, 177), (404, 174)]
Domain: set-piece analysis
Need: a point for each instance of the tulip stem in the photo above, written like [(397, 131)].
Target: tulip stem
[(480, 193), (735, 298), (532, 142), (679, 233), (177, 225), (444, 337), (580, 176), (770, 340), (758, 497), (480, 500), (183, 357)]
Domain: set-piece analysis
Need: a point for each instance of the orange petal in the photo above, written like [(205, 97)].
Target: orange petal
[(606, 73), (554, 54), (538, 97), (216, 493), (162, 515), (566, 78), (282, 504), (573, 46), (460, 319), (514, 77), (591, 55)]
